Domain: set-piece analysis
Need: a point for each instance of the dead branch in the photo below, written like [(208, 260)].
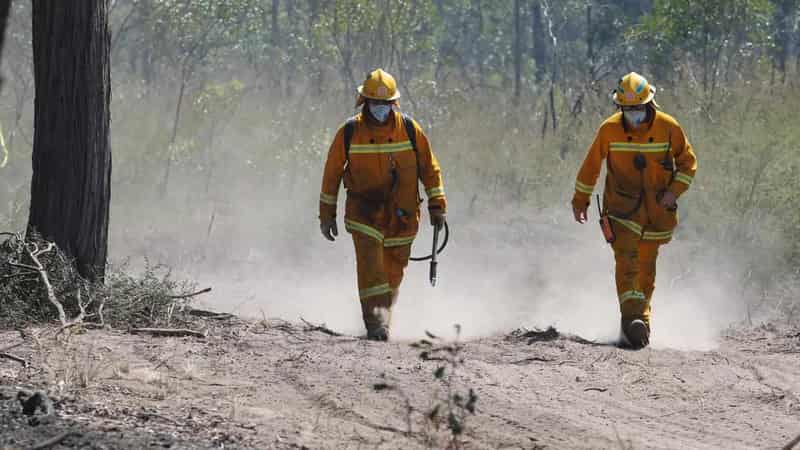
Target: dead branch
[(149, 415), (793, 443), (193, 294), (321, 328), (168, 332), (598, 389), (14, 358), (82, 315), (15, 275), (100, 313), (55, 440), (11, 347), (529, 360), (38, 267), (23, 266), (210, 314)]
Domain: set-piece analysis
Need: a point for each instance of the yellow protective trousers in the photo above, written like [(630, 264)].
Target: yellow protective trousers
[(635, 273), (380, 272)]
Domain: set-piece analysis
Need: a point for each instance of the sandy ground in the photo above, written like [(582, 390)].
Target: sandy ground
[(272, 384)]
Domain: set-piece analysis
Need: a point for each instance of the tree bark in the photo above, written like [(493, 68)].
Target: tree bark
[(517, 51), (71, 185), (5, 6), (539, 44), (784, 19), (276, 30)]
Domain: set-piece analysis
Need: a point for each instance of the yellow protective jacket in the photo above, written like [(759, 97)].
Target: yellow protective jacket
[(381, 177), (631, 194)]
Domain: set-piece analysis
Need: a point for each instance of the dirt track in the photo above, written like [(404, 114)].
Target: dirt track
[(277, 385)]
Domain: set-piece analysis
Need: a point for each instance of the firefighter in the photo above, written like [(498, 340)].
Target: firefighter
[(650, 163), (381, 156)]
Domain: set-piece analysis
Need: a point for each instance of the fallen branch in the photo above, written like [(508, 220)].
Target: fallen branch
[(529, 360), (321, 328), (793, 443), (15, 275), (149, 415), (210, 314), (598, 389), (11, 347), (168, 332), (14, 358), (55, 440), (193, 294)]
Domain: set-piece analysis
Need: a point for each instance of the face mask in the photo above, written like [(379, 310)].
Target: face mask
[(635, 118), (380, 111)]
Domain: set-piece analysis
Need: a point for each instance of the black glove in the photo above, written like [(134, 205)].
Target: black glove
[(329, 229)]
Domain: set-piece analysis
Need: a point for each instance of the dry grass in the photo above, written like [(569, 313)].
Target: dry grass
[(71, 366)]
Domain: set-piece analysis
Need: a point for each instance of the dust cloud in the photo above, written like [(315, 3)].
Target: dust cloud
[(531, 269), (258, 245)]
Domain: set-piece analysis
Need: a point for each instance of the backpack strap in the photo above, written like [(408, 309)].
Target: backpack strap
[(349, 127), (411, 132)]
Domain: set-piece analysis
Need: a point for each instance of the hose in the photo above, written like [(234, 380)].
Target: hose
[(441, 247)]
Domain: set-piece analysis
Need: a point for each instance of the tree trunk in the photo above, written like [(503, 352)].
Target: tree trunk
[(185, 74), (319, 71), (590, 40), (517, 51), (71, 185), (276, 28), (539, 47), (5, 6), (784, 19)]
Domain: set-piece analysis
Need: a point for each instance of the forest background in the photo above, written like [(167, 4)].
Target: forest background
[(222, 114)]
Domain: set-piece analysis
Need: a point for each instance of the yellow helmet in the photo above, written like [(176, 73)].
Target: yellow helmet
[(633, 89), (379, 85)]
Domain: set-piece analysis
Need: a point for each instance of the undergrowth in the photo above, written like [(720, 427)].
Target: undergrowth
[(123, 300)]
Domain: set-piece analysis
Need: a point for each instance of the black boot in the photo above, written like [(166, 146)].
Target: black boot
[(637, 333), (378, 334)]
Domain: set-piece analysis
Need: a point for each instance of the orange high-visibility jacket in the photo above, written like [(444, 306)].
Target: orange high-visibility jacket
[(631, 195), (381, 179)]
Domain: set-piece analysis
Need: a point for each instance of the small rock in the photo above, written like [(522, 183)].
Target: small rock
[(36, 401)]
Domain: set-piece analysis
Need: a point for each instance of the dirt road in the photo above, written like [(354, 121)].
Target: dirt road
[(279, 385)]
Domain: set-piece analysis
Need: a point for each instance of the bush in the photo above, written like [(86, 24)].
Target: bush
[(34, 271)]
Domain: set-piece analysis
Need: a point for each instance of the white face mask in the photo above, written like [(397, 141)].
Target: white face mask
[(635, 118), (380, 111)]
